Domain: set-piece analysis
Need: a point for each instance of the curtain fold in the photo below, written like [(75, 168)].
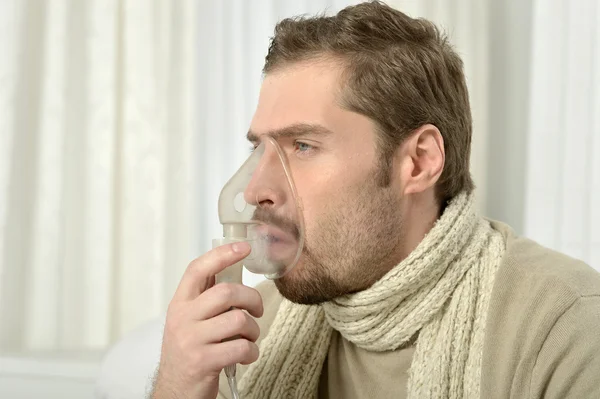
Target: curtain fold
[(94, 168), (563, 137)]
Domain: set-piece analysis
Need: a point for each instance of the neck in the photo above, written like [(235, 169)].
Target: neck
[(420, 213)]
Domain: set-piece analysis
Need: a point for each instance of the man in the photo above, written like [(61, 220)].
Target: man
[(401, 290)]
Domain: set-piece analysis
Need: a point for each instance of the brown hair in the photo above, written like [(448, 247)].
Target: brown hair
[(399, 71)]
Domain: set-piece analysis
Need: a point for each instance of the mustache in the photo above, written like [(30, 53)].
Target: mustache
[(286, 224)]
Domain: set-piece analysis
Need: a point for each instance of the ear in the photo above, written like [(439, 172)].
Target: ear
[(421, 159)]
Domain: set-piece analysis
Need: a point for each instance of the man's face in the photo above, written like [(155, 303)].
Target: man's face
[(352, 225)]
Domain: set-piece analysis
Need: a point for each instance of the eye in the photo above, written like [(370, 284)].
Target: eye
[(303, 147)]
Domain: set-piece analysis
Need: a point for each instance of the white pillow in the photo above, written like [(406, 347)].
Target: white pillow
[(129, 366)]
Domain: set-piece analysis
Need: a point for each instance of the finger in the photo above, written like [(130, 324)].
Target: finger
[(223, 297), (231, 352), (197, 277), (236, 322)]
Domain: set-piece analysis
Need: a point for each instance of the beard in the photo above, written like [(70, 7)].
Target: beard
[(354, 243)]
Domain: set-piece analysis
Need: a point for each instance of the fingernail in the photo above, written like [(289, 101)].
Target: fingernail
[(240, 247)]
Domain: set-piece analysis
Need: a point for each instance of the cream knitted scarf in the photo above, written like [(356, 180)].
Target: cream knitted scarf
[(440, 291)]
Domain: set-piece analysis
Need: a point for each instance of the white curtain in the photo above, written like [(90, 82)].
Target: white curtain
[(96, 122), (563, 137)]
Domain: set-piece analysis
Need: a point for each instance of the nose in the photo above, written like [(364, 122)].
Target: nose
[(268, 182)]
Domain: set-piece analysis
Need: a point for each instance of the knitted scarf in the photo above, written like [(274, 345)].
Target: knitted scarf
[(440, 291)]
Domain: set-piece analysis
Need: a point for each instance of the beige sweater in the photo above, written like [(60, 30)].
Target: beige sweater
[(542, 336)]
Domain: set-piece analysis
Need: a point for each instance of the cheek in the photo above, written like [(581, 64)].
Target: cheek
[(324, 204), (318, 197), (326, 188)]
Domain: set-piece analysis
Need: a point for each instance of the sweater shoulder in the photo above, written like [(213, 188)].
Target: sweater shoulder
[(534, 287)]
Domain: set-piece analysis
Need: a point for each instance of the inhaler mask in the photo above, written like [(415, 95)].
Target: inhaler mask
[(275, 232)]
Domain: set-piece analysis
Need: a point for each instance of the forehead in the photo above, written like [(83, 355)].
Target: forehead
[(302, 93), (309, 94)]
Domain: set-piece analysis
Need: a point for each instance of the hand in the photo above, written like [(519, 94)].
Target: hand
[(199, 319)]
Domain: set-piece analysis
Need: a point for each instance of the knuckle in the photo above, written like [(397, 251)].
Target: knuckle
[(257, 300), (196, 268), (175, 319), (194, 265), (224, 250), (172, 326), (237, 318), (184, 342), (256, 328), (249, 351), (172, 309), (225, 292), (245, 347), (243, 351)]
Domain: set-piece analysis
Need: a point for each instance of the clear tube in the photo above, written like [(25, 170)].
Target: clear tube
[(231, 380)]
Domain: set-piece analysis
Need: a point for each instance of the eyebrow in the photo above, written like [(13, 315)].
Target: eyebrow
[(291, 131)]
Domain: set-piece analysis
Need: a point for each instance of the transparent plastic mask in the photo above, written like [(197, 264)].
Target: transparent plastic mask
[(259, 205)]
